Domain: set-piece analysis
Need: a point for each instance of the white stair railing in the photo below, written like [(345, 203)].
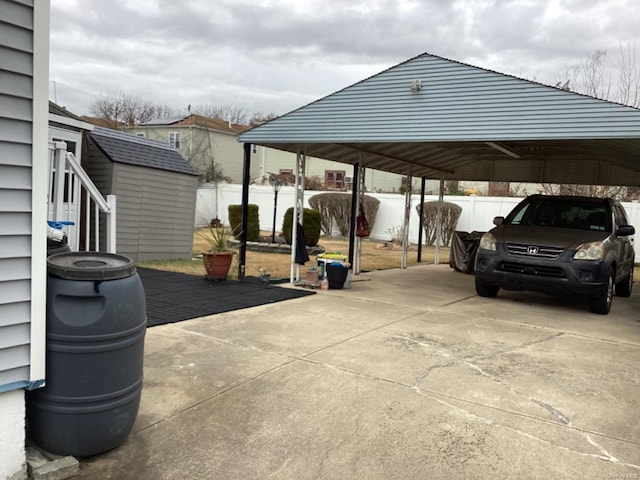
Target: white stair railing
[(65, 200)]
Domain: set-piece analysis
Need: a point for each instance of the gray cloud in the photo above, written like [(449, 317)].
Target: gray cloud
[(274, 56)]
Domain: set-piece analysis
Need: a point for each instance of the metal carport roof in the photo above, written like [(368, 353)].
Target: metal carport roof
[(437, 118)]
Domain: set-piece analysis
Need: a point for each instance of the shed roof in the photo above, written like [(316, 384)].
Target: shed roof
[(462, 122), (122, 147)]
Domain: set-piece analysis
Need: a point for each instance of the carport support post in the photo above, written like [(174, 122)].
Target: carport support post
[(354, 206), (405, 227), (436, 256), (242, 258), (421, 215), (298, 211), (357, 201)]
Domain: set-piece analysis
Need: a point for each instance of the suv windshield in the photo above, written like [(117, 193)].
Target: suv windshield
[(577, 214)]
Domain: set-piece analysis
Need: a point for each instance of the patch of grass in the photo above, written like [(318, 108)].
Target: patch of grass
[(375, 255), (191, 267)]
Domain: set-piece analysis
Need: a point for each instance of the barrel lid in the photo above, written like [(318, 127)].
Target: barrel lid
[(90, 266)]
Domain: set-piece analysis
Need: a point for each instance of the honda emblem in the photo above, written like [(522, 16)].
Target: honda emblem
[(532, 250)]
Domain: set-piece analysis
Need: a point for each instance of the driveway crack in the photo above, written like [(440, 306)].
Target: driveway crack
[(427, 371), (555, 413)]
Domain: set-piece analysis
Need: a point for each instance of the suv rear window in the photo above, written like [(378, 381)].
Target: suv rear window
[(566, 214)]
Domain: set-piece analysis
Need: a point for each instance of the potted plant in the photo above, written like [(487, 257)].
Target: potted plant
[(217, 258)]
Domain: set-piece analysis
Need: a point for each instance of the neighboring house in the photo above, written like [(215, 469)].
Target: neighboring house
[(208, 144), (24, 76), (155, 190), (333, 175)]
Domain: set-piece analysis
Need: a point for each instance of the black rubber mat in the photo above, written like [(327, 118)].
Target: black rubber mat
[(172, 297)]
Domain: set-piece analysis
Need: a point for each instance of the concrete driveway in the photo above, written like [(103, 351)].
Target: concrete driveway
[(407, 375)]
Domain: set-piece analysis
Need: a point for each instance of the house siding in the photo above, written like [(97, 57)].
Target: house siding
[(24, 73), (198, 145), (16, 136), (227, 147)]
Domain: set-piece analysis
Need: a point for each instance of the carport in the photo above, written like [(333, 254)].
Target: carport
[(435, 118)]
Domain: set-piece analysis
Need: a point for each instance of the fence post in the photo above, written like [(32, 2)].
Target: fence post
[(472, 200)]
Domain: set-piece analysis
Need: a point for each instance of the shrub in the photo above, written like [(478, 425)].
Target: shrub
[(310, 226), (253, 222), (336, 207), (450, 215)]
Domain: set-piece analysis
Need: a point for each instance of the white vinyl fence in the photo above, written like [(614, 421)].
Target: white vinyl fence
[(477, 212)]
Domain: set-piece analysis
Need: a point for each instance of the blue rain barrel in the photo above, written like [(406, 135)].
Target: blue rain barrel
[(96, 323)]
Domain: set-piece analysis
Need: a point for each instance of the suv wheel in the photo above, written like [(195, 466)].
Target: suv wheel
[(485, 290), (601, 303), (623, 289)]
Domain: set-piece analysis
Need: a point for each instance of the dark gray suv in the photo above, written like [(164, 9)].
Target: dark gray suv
[(559, 245)]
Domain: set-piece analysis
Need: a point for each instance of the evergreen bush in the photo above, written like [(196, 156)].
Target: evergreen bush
[(310, 226), (253, 222)]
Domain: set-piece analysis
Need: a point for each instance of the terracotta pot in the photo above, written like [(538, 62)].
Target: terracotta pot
[(312, 276), (217, 264)]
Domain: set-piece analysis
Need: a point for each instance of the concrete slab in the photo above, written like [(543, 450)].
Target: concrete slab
[(407, 374)]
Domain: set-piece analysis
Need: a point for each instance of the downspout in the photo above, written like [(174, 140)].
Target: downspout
[(242, 259)]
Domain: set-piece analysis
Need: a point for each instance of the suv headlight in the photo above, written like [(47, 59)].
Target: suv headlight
[(488, 242), (590, 251)]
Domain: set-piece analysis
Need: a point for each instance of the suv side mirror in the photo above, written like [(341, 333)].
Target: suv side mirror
[(626, 230), (498, 221)]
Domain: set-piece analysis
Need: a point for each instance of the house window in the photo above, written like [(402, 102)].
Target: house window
[(334, 178), (254, 148), (285, 171), (174, 139)]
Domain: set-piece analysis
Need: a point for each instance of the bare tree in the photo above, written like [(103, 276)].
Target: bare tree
[(228, 113), (602, 77), (258, 118), (123, 111), (592, 77), (587, 77), (629, 78), (585, 190), (165, 111)]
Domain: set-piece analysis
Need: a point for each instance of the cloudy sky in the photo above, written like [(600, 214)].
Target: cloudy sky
[(273, 56)]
